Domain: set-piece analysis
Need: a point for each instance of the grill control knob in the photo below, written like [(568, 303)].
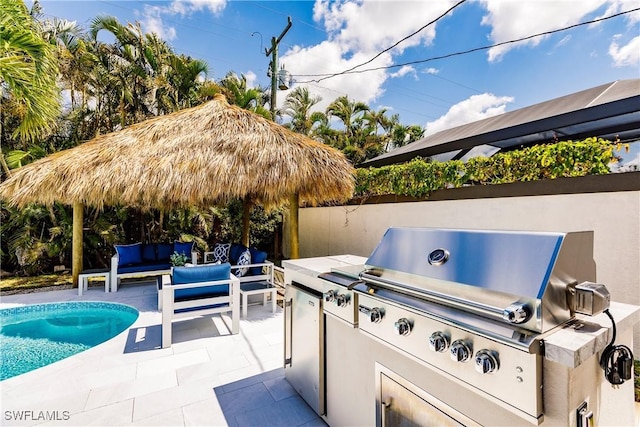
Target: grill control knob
[(329, 296), (486, 362), (438, 342), (342, 300), (459, 351), (375, 315), (403, 326)]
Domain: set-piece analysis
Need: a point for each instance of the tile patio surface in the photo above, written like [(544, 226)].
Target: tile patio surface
[(208, 376)]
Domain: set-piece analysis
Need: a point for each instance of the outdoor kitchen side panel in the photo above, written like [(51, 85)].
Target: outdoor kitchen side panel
[(304, 357)]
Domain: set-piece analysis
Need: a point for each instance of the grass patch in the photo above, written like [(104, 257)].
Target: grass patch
[(10, 285)]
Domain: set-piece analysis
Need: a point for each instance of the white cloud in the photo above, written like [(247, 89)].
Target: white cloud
[(357, 31), (152, 15), (511, 20), (251, 79), (627, 55), (564, 40), (476, 107), (359, 87), (152, 22), (617, 6), (431, 70), (403, 71), (365, 25)]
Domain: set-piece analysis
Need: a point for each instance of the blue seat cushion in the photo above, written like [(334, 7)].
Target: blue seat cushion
[(257, 257), (142, 267), (129, 254), (165, 250)]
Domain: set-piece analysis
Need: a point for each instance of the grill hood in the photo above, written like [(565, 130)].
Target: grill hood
[(486, 273)]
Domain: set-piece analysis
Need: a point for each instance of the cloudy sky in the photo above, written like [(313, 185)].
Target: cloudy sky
[(405, 56)]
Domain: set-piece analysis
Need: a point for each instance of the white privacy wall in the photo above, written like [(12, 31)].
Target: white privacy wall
[(614, 218)]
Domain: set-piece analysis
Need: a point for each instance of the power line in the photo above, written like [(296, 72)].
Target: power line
[(399, 41), (434, 58)]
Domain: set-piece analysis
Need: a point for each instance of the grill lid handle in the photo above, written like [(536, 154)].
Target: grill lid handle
[(517, 313)]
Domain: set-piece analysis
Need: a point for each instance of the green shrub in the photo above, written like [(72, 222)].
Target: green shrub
[(419, 177)]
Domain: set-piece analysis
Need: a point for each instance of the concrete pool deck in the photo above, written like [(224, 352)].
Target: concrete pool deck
[(207, 377)]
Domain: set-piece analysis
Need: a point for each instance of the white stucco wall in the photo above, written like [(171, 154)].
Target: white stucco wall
[(614, 218)]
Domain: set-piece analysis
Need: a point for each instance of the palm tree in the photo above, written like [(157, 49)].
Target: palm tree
[(28, 69), (236, 90), (298, 106), (348, 112), (127, 67)]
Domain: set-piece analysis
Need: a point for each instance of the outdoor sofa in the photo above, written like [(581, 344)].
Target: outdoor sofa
[(148, 259), (198, 291)]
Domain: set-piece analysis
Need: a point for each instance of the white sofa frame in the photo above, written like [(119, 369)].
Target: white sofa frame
[(169, 305)]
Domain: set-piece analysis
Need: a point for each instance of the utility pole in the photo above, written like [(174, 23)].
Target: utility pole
[(274, 66), (293, 198)]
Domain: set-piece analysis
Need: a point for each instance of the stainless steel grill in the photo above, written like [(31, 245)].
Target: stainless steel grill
[(475, 305)]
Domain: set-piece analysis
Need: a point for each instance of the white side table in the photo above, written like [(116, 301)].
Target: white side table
[(83, 279), (253, 288)]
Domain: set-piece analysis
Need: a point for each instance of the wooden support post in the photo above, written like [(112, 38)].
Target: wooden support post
[(293, 226), (247, 205), (76, 243)]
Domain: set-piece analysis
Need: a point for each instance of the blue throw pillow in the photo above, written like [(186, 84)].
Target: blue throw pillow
[(149, 252), (235, 251), (257, 257), (129, 254), (243, 259), (183, 248), (165, 250)]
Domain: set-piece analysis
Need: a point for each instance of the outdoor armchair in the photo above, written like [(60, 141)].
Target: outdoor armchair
[(198, 291)]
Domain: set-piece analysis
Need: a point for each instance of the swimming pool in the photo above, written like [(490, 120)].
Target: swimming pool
[(33, 336)]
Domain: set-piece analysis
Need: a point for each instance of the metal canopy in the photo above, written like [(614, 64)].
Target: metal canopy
[(607, 111)]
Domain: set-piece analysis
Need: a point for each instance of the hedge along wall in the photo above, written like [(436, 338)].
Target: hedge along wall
[(419, 177)]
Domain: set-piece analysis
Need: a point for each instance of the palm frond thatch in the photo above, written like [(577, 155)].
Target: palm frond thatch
[(198, 156)]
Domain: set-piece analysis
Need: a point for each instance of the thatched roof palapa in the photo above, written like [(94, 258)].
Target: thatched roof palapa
[(198, 156)]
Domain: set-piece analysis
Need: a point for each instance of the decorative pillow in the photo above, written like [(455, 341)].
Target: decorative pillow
[(243, 259), (235, 251), (221, 252), (257, 257), (183, 248), (149, 252), (129, 254), (165, 250)]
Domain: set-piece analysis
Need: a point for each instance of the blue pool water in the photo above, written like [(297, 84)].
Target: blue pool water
[(33, 336)]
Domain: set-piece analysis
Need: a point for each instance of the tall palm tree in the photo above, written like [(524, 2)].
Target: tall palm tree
[(298, 106), (28, 69), (128, 67)]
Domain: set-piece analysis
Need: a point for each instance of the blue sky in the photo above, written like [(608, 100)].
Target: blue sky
[(332, 36)]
